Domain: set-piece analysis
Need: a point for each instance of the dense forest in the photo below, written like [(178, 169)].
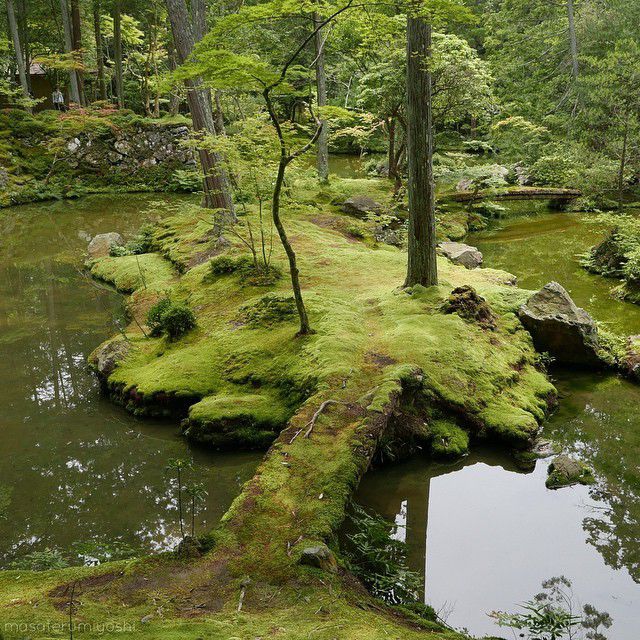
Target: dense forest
[(320, 319)]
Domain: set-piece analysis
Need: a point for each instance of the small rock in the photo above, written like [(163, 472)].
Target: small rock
[(559, 327), (146, 619), (565, 471), (460, 253), (360, 206), (73, 145), (101, 245), (319, 557)]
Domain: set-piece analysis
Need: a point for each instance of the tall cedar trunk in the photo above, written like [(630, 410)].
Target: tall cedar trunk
[(117, 51), (573, 43), (174, 99), (23, 28), (13, 26), (68, 47), (422, 266), (623, 163), (76, 39), (97, 32), (321, 88), (216, 182)]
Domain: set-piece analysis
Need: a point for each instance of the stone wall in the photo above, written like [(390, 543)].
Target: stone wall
[(130, 150)]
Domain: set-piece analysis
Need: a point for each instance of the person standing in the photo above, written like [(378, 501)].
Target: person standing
[(58, 100)]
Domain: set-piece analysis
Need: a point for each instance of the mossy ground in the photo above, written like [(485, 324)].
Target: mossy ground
[(372, 340)]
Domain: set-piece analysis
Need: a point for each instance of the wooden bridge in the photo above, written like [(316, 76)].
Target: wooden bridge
[(557, 197)]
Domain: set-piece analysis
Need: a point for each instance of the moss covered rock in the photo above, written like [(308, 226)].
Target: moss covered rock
[(565, 471)]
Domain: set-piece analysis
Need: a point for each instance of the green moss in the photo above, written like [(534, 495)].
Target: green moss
[(248, 421), (128, 273), (447, 439)]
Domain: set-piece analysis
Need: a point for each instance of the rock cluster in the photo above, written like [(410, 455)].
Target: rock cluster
[(565, 471), (130, 149)]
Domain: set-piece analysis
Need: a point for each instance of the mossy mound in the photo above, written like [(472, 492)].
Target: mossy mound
[(448, 439), (228, 421), (129, 273)]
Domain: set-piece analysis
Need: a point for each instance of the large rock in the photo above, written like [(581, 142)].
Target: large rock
[(630, 362), (101, 245), (360, 206), (460, 253), (319, 557), (559, 327), (565, 471)]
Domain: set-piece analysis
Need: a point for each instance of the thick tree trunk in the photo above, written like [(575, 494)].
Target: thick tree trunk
[(117, 51), (97, 19), (174, 99), (391, 155), (422, 266), (13, 27), (216, 182), (76, 39), (68, 47), (573, 43), (321, 88)]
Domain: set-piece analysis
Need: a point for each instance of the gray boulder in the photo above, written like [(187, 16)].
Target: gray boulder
[(319, 557), (460, 253), (100, 246), (107, 356), (360, 206), (559, 327)]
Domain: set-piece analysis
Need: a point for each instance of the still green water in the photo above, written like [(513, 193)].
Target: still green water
[(75, 469), (485, 534)]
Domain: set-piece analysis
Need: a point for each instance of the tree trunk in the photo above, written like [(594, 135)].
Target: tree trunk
[(97, 19), (23, 29), (216, 182), (76, 40), (422, 266), (623, 164), (68, 47), (391, 155), (117, 51), (174, 99), (321, 88), (13, 26), (573, 43)]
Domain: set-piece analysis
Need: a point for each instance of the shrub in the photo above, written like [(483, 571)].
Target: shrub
[(185, 181), (173, 318), (177, 320), (269, 310), (41, 561)]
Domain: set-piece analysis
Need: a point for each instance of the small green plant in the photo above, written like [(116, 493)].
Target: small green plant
[(550, 615), (185, 181), (171, 318), (141, 243), (269, 310), (379, 559), (41, 561), (197, 494)]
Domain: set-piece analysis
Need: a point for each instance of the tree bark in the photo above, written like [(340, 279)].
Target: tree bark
[(97, 20), (174, 99), (76, 40), (573, 43), (216, 181), (117, 51), (13, 27), (623, 163), (321, 88), (422, 265), (68, 47), (23, 29)]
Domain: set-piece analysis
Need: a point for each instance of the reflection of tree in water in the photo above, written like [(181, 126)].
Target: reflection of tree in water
[(597, 421)]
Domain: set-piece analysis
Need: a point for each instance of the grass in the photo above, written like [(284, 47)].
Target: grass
[(254, 383)]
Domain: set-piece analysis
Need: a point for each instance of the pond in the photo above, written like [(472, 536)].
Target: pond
[(76, 472), (485, 534)]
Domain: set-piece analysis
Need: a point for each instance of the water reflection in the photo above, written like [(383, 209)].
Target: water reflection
[(73, 467), (485, 535)]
